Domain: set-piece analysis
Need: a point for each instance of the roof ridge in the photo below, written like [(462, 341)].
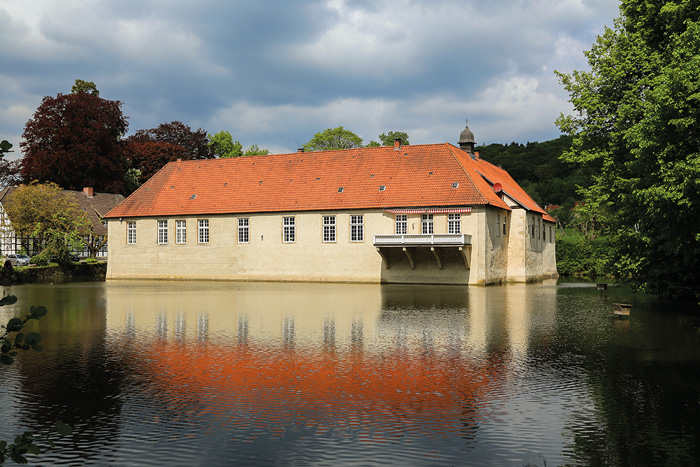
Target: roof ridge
[(464, 169)]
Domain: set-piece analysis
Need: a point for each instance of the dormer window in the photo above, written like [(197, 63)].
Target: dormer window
[(341, 189), (382, 188), (455, 185)]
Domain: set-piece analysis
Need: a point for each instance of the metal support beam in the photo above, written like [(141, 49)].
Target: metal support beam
[(436, 253)]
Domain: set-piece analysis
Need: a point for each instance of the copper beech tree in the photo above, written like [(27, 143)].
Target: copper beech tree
[(75, 140)]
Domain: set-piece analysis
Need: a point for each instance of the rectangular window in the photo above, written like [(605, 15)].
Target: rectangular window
[(288, 230), (498, 225), (401, 224), (427, 224), (162, 232), (551, 239), (244, 230), (544, 233), (328, 229), (533, 228), (357, 229), (131, 233), (504, 225), (203, 234), (538, 228), (454, 223), (180, 231)]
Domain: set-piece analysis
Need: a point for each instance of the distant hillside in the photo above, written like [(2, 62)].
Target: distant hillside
[(538, 170)]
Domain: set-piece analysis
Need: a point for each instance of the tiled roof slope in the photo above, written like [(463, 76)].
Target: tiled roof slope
[(413, 176)]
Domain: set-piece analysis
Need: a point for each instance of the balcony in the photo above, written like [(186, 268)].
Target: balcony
[(422, 240), (436, 242)]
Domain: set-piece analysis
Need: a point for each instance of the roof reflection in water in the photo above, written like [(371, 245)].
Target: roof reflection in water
[(363, 361)]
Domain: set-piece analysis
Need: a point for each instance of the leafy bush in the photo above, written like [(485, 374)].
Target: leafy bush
[(578, 255), (42, 259)]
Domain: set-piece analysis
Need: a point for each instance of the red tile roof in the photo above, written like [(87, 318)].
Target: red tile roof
[(412, 176)]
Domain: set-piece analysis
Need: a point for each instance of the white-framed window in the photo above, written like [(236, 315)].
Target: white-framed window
[(454, 223), (357, 228), (504, 225), (401, 224), (203, 231), (288, 230), (498, 225), (131, 233), (243, 230), (427, 224), (180, 231), (328, 229), (162, 232)]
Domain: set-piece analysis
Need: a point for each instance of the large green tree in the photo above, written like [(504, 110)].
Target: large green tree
[(635, 124), (222, 144), (333, 138)]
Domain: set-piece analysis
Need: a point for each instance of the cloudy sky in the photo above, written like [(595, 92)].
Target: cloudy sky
[(274, 73)]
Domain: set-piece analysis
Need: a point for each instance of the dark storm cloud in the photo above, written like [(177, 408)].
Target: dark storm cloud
[(274, 73)]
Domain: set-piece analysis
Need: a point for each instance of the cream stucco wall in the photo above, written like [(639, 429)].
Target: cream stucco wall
[(266, 257)]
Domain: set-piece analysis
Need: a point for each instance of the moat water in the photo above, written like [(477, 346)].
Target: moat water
[(207, 373)]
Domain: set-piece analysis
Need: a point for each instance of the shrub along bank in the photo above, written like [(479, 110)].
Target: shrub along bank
[(69, 272)]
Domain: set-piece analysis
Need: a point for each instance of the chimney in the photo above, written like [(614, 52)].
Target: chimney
[(397, 144), (300, 150), (89, 192)]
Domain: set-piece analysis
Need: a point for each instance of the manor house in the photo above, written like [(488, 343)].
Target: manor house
[(433, 213)]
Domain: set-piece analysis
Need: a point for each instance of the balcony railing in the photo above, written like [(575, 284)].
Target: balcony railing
[(423, 240)]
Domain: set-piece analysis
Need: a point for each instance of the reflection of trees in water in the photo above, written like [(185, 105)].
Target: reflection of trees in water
[(78, 378), (643, 378)]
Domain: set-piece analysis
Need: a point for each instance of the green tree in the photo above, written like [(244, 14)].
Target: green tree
[(635, 125), (85, 86), (43, 211), (223, 145), (388, 138), (333, 138), (254, 150), (9, 170)]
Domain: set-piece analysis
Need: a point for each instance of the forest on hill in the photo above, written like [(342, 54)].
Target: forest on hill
[(539, 170)]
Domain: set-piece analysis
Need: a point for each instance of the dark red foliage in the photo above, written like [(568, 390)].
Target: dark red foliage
[(74, 140), (150, 156), (195, 143)]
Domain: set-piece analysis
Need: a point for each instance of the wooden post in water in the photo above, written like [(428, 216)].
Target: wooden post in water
[(622, 309)]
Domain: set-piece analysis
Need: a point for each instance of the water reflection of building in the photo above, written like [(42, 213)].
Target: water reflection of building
[(416, 359)]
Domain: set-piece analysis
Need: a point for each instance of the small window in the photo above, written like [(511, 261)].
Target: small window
[(401, 224), (162, 232), (357, 229), (193, 196), (203, 236), (551, 238), (244, 230), (341, 189), (533, 228), (180, 231), (131, 233), (454, 223), (504, 225), (288, 230), (328, 229), (427, 224), (382, 188), (455, 185), (538, 228), (498, 225)]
